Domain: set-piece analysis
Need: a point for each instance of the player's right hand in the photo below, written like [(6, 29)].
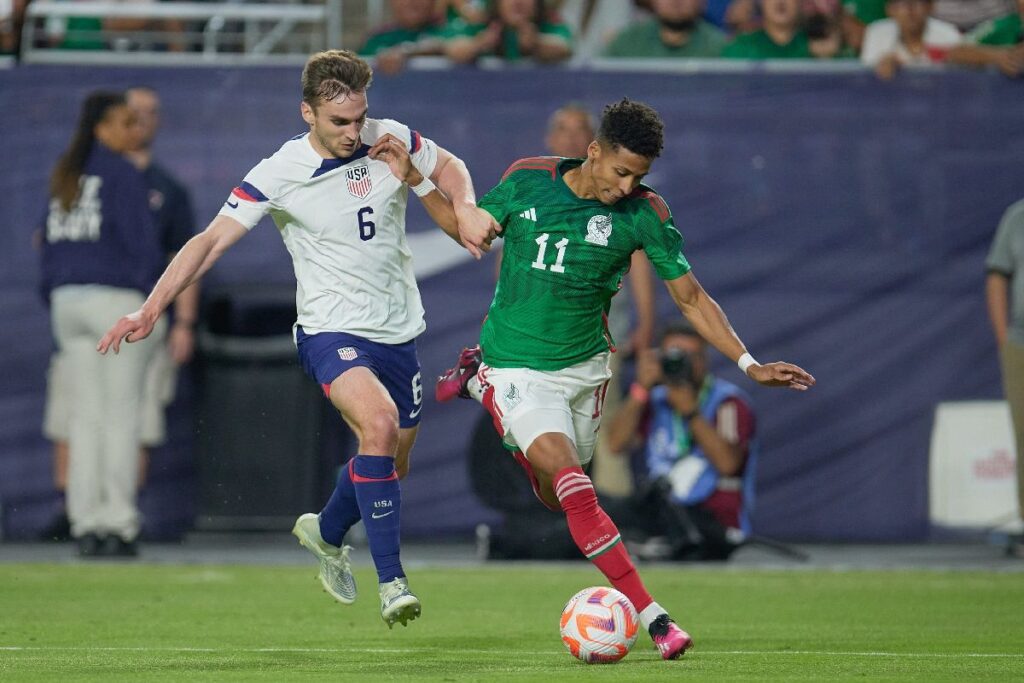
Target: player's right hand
[(477, 229), (130, 328), (781, 375)]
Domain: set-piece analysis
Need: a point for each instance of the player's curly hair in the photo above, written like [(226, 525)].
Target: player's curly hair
[(633, 125), (332, 73)]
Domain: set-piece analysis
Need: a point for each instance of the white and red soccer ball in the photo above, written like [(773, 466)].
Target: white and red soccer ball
[(599, 625)]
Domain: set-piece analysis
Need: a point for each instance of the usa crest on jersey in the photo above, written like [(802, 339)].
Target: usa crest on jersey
[(358, 180)]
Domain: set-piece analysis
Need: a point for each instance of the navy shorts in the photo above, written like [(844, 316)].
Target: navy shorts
[(327, 355)]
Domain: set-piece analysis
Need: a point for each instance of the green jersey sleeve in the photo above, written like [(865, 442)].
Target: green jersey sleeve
[(496, 201), (660, 238)]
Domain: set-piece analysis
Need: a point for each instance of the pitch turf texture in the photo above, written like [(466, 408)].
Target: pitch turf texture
[(498, 623)]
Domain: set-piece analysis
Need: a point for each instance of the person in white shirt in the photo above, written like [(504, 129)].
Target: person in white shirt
[(909, 36), (338, 196)]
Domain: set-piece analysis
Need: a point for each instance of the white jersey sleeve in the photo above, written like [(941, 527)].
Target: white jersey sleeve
[(263, 190), (422, 150)]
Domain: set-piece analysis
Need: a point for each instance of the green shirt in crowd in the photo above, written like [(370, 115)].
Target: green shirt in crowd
[(866, 10), (458, 28), (563, 261), (644, 40), (389, 38), (1006, 30), (757, 45)]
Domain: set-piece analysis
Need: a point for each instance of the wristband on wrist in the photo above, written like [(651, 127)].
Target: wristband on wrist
[(424, 188), (638, 393), (745, 361)]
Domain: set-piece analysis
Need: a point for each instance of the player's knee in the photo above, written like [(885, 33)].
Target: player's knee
[(551, 453), (380, 433)]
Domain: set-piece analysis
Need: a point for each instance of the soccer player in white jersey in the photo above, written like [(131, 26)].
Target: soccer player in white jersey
[(338, 195)]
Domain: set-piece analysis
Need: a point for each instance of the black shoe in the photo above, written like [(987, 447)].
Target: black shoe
[(89, 545), (115, 546), (58, 530)]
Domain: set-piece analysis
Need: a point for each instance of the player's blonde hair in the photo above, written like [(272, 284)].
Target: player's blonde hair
[(333, 73)]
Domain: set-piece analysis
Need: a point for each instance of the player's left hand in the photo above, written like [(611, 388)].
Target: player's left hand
[(395, 154), (781, 375), (477, 229)]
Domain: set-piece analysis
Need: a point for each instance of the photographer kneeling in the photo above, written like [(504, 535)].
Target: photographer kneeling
[(696, 435)]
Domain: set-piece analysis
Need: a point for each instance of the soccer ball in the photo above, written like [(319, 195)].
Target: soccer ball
[(599, 625)]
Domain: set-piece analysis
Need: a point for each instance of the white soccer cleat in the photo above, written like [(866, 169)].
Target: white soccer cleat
[(397, 603), (335, 568)]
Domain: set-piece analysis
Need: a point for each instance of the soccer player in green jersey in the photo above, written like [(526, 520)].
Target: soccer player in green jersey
[(570, 226)]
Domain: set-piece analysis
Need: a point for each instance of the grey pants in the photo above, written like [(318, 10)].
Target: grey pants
[(105, 395), (1012, 356)]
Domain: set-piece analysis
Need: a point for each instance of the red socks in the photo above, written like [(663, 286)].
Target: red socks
[(597, 536)]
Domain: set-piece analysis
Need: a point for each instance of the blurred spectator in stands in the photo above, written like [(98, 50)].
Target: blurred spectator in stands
[(101, 252), (696, 434), (469, 11), (1004, 293), (514, 30), (594, 23), (823, 25), (417, 30), (968, 14), (715, 12), (116, 32), (911, 36), (742, 16), (171, 207), (857, 14), (12, 17), (781, 38), (676, 30), (998, 43)]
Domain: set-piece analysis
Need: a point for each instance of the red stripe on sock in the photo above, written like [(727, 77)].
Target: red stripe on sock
[(359, 479), (591, 527)]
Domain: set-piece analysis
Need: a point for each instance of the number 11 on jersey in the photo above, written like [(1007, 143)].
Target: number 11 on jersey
[(560, 245)]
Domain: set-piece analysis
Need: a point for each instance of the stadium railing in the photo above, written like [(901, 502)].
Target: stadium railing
[(202, 33)]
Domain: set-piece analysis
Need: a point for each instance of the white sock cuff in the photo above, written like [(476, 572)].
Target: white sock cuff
[(650, 613)]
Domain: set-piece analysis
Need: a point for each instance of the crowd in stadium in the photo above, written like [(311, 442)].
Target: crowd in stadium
[(884, 34)]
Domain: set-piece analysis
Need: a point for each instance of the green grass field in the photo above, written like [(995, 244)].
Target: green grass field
[(500, 622)]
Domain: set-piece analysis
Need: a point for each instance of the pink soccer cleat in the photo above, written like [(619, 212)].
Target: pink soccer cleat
[(453, 382), (672, 641)]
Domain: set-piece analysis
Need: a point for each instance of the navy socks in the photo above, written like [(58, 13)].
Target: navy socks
[(368, 488)]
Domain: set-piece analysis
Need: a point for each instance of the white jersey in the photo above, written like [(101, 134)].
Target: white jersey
[(343, 222)]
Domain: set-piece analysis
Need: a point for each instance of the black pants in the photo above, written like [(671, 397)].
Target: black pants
[(692, 531)]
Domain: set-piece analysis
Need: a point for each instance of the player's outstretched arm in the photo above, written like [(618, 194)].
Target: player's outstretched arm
[(394, 153), (194, 259), (477, 227), (709, 320)]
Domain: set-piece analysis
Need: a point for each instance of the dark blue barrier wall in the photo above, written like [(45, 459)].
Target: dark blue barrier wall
[(841, 222)]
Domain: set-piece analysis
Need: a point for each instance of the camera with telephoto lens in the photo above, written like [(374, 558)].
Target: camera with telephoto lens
[(676, 367)]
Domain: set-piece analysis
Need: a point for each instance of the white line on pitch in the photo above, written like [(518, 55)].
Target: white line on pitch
[(326, 650)]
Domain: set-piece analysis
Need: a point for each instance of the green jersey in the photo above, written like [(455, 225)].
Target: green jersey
[(999, 32), (564, 259)]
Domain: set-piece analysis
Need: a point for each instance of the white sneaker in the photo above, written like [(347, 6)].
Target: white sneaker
[(335, 568), (397, 603)]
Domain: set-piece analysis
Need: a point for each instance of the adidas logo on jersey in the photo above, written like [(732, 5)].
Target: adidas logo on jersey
[(530, 214)]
